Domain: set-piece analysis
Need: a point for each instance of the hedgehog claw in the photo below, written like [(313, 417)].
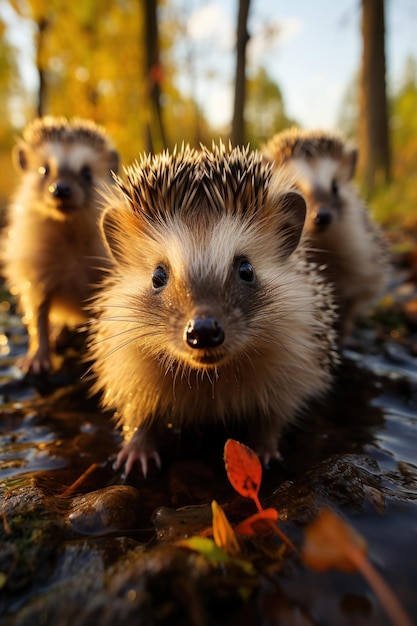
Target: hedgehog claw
[(130, 455), (38, 364), (268, 456)]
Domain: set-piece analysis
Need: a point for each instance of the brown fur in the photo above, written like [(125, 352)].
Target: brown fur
[(53, 254), (341, 233), (198, 219)]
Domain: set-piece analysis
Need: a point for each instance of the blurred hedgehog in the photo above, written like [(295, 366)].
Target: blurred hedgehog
[(212, 313), (53, 254), (340, 232)]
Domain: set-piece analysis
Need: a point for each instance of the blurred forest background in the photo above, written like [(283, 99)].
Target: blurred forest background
[(117, 62)]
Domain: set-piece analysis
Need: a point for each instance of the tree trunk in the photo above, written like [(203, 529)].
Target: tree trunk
[(238, 124), (374, 154), (155, 132), (42, 91)]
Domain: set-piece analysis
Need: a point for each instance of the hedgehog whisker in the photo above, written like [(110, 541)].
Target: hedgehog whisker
[(319, 250), (139, 335), (120, 318), (119, 347), (133, 340), (134, 310), (140, 322), (174, 378)]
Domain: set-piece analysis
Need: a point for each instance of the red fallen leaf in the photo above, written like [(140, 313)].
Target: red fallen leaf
[(244, 470), (259, 524), (264, 523)]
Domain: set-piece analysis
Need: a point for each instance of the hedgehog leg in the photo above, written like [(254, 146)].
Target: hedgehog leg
[(140, 449), (39, 362), (264, 443)]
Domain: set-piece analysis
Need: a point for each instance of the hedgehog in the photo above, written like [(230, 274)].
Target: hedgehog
[(212, 314), (53, 255), (339, 228)]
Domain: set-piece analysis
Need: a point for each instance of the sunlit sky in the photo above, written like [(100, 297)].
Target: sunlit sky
[(313, 52), (312, 49)]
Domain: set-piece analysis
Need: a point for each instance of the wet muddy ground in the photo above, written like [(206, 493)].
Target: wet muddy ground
[(105, 550)]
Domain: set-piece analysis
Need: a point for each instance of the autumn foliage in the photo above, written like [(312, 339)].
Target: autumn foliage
[(329, 542)]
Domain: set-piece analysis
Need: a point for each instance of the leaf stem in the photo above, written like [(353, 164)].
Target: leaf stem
[(282, 536), (69, 491), (255, 498), (386, 596)]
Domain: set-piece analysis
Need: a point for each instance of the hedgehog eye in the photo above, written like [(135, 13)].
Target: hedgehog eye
[(159, 278), (44, 170), (86, 173), (246, 271), (334, 187)]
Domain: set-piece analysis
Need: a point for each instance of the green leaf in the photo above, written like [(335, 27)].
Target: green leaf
[(207, 548)]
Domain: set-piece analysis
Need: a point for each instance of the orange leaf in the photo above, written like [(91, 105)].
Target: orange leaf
[(258, 524), (223, 534), (244, 470), (331, 542)]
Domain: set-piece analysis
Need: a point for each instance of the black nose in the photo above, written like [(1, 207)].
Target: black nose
[(323, 217), (60, 190), (204, 332)]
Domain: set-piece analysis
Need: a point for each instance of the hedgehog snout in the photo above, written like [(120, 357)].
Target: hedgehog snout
[(60, 190), (323, 217), (203, 332)]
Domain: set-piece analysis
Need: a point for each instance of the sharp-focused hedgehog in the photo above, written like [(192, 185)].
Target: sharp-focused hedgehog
[(53, 253), (340, 231), (212, 313)]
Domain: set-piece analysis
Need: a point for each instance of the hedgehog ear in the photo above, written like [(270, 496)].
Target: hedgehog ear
[(110, 229), (292, 211), (349, 161), (20, 156)]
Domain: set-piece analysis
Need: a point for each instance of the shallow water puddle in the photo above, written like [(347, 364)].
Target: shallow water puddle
[(111, 542)]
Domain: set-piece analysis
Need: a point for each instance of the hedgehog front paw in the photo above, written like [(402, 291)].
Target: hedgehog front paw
[(37, 364), (136, 451), (266, 449), (267, 455)]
